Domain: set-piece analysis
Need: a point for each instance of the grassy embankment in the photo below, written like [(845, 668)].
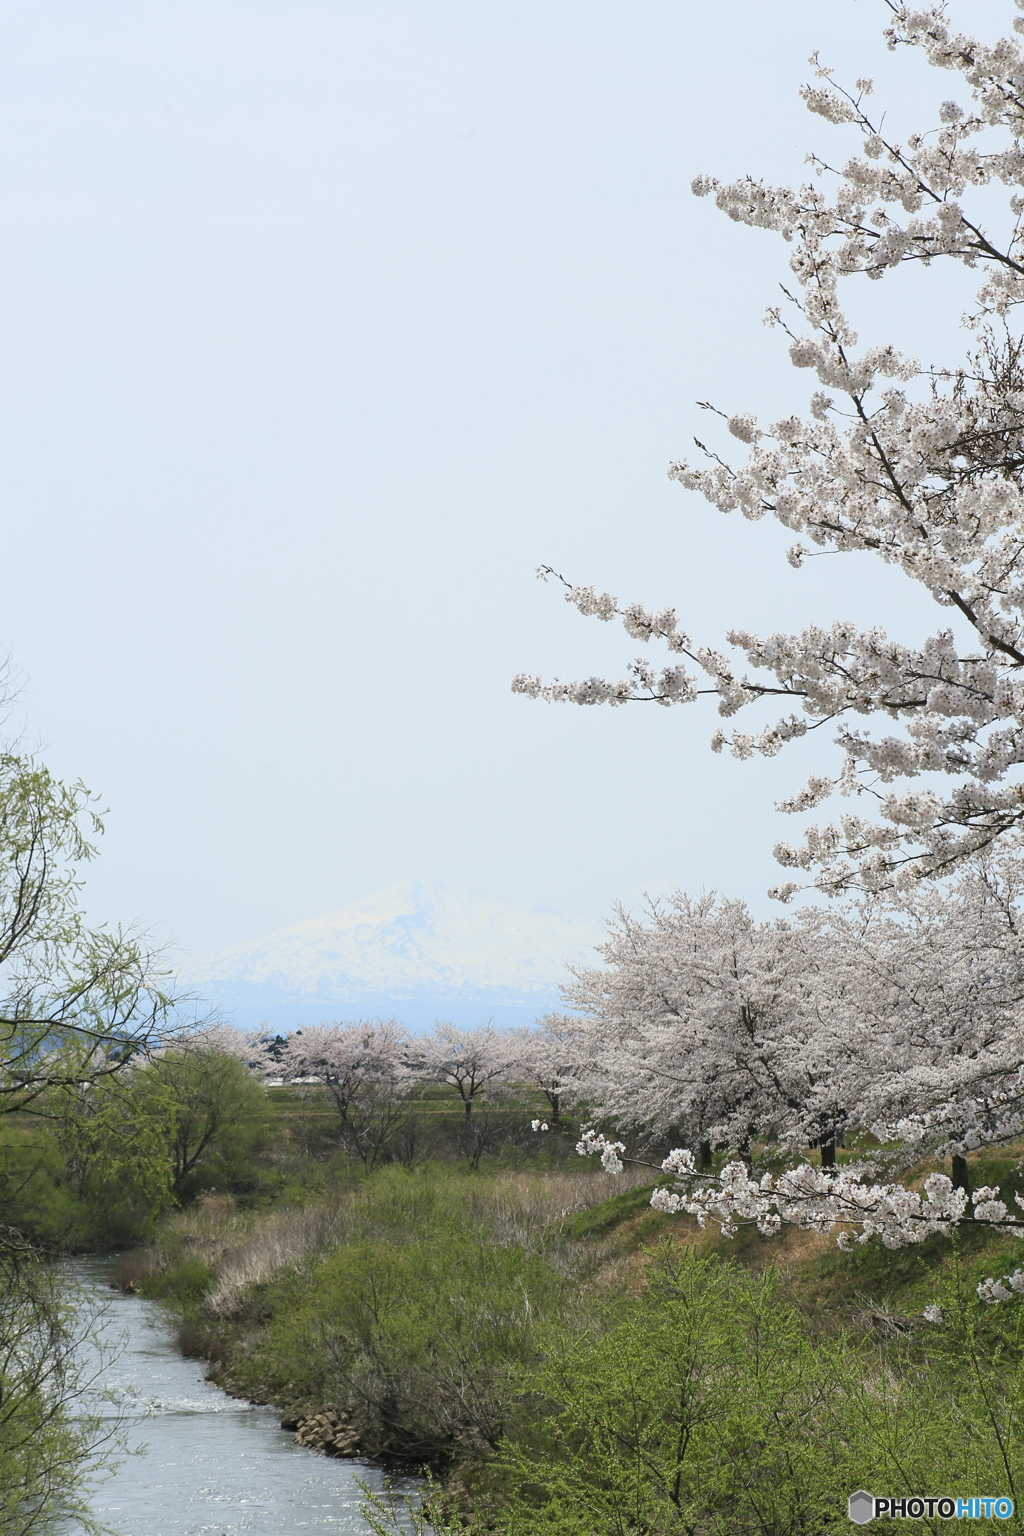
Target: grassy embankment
[(572, 1362)]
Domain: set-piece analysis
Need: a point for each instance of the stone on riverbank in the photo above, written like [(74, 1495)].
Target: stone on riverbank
[(328, 1431)]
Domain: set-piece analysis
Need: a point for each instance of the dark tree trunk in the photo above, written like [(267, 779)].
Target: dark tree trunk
[(704, 1154), (961, 1176), (828, 1152)]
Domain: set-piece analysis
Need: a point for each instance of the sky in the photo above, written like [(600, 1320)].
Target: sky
[(322, 324)]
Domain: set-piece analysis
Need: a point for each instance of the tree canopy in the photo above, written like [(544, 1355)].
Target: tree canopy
[(77, 1003), (920, 464)]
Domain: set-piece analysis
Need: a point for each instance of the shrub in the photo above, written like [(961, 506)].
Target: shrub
[(712, 1406), (417, 1323)]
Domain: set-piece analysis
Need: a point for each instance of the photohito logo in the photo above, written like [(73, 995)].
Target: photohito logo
[(863, 1506)]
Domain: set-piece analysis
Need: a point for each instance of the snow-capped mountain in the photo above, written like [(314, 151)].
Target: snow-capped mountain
[(418, 951)]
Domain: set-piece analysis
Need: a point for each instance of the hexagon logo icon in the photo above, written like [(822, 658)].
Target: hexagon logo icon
[(861, 1506)]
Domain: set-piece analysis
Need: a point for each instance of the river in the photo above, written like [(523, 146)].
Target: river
[(212, 1465)]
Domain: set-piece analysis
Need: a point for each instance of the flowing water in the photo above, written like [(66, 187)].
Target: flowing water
[(212, 1465)]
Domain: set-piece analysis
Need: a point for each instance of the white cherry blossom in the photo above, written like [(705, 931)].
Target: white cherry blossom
[(923, 467), (475, 1062)]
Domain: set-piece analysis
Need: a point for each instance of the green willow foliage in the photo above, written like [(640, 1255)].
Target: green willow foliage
[(53, 1445), (77, 1006), (76, 1003), (106, 1159)]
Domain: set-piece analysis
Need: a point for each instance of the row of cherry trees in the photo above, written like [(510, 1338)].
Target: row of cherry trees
[(899, 1013), (896, 1013), (373, 1072), (706, 1030), (711, 1027)]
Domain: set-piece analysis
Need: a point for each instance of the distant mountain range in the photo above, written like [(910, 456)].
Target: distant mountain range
[(418, 951)]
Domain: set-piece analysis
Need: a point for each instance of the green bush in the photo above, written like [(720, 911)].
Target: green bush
[(705, 1407), (417, 1327), (185, 1284), (711, 1406)]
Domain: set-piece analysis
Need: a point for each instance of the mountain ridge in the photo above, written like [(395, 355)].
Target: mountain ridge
[(413, 948)]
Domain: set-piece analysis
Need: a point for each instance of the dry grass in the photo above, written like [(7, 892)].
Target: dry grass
[(522, 1208), (277, 1241), (247, 1249), (240, 1249)]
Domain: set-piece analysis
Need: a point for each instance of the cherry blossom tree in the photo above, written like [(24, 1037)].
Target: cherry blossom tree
[(900, 1013), (252, 1047), (362, 1068), (709, 1024), (472, 1061), (935, 978), (551, 1058), (922, 466)]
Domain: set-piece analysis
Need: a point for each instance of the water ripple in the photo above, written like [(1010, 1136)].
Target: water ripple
[(211, 1465)]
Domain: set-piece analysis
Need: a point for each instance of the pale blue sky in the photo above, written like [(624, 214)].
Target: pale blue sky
[(321, 325)]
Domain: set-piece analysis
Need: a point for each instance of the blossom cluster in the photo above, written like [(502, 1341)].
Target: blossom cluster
[(900, 1013), (924, 468), (814, 1199), (610, 1151), (961, 1125), (1002, 1290)]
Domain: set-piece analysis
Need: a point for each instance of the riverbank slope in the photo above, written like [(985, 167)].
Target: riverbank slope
[(560, 1354)]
